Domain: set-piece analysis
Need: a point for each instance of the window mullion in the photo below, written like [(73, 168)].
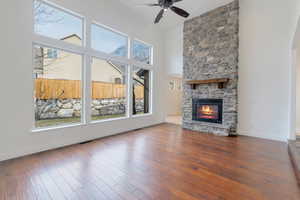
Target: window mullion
[(151, 85), (129, 92), (130, 79), (58, 44), (104, 56), (140, 64), (87, 98)]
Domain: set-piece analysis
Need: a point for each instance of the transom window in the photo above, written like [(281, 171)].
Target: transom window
[(78, 82), (142, 52), (56, 23), (109, 42)]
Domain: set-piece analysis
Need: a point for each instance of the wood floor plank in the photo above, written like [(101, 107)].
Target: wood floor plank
[(40, 189), (161, 162)]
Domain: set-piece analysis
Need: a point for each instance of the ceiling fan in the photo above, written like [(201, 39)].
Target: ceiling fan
[(166, 5)]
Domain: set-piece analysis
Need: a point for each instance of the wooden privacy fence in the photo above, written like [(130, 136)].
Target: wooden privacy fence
[(71, 89)]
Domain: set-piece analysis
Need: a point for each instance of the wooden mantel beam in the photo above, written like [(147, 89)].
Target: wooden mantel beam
[(221, 82)]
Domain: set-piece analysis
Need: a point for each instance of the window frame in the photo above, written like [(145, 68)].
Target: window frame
[(65, 10), (88, 53), (82, 117), (150, 92), (151, 52), (127, 100), (114, 31)]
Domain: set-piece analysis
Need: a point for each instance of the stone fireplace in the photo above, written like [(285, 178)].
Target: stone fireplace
[(208, 110), (211, 53)]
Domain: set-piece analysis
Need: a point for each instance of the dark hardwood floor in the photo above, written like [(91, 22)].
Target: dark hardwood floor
[(294, 152), (161, 162)]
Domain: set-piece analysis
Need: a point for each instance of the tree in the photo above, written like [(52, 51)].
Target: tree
[(43, 15)]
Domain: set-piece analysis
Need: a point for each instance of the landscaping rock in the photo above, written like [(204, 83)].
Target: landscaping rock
[(56, 108), (77, 107), (65, 113), (95, 112), (68, 105)]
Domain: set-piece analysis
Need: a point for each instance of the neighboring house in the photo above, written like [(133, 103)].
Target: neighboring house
[(55, 64)]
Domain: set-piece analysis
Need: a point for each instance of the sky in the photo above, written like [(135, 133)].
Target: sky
[(56, 24)]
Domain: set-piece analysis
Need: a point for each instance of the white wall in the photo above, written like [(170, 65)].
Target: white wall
[(173, 47), (295, 85), (16, 86), (297, 64), (266, 33), (293, 98), (173, 41), (174, 97)]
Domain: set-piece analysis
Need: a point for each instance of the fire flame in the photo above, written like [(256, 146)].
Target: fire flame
[(207, 110)]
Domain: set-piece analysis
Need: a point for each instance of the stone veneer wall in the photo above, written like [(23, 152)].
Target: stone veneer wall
[(211, 51)]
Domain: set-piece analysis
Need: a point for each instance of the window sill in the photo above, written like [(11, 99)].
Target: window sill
[(108, 120), (142, 115), (38, 130)]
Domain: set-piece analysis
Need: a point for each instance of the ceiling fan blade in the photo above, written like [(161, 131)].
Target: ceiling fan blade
[(159, 16), (175, 1), (179, 11), (152, 4), (149, 4)]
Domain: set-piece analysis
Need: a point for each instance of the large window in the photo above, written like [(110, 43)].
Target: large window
[(109, 89), (57, 91), (57, 24), (81, 80), (109, 42)]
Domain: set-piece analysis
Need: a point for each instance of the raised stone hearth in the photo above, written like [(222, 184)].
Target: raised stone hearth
[(211, 52)]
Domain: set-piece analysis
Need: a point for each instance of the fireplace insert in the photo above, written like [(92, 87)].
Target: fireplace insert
[(208, 110)]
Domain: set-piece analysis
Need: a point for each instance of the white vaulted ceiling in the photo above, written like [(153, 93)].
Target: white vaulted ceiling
[(194, 7)]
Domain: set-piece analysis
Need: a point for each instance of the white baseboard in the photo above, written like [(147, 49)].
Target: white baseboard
[(41, 148), (276, 137)]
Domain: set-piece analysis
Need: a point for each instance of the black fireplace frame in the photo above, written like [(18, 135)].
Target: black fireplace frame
[(213, 102)]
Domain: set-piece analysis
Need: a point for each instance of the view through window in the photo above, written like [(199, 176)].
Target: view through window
[(142, 52), (109, 89), (57, 94), (57, 24), (109, 42), (141, 91)]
